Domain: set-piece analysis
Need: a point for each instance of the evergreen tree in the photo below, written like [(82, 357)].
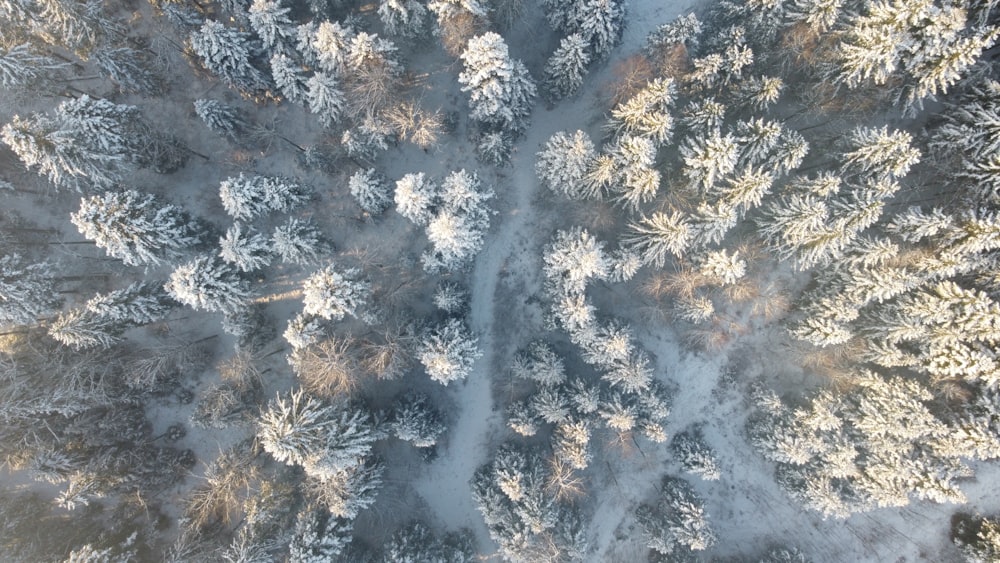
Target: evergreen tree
[(416, 198), (371, 190), (695, 455), (415, 543), (127, 68), (318, 536), (27, 291), (245, 248), (330, 42), (220, 118), (332, 295), (272, 25), (323, 438), (563, 163), (659, 235), (85, 143), (324, 98), (206, 283), (81, 329), (646, 114), (22, 68), (289, 77), (572, 259), (539, 363), (602, 22), (134, 227), (565, 70), (229, 54), (138, 304), (298, 242), (679, 523), (500, 88), (448, 352), (707, 160), (246, 197), (877, 153), (414, 420), (403, 18)]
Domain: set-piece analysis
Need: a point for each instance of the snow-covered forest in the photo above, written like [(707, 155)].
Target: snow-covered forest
[(464, 280)]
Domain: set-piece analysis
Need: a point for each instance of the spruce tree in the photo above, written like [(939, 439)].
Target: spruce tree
[(135, 227), (565, 70), (500, 88)]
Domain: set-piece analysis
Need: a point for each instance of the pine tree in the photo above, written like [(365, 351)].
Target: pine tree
[(289, 77), (678, 523), (246, 197), (332, 295), (138, 304), (347, 491), (272, 25), (494, 147), (539, 363), (659, 235), (414, 420), (371, 190), (318, 536), (83, 144), (415, 543), (220, 118), (703, 117), (134, 227), (245, 248), (877, 153), (330, 42), (416, 198), (298, 242), (565, 70), (572, 259), (323, 438), (695, 455), (500, 88), (563, 163), (128, 68), (206, 283), (448, 352), (708, 159), (403, 18), (602, 22), (27, 291), (457, 229), (229, 54), (324, 98), (22, 68), (646, 114)]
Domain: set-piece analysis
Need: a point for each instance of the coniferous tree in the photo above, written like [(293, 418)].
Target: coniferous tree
[(332, 295), (128, 68), (270, 21), (319, 536), (371, 190), (563, 164), (209, 284), (229, 54), (245, 248), (134, 227), (22, 68), (500, 88), (220, 118), (289, 77), (246, 197), (416, 198), (403, 18), (298, 242), (659, 235), (678, 523), (26, 290), (448, 352), (414, 420), (565, 70)]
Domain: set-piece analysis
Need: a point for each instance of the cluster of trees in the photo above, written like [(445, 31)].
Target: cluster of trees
[(906, 291), (877, 445), (524, 519), (677, 524), (454, 213), (589, 30)]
